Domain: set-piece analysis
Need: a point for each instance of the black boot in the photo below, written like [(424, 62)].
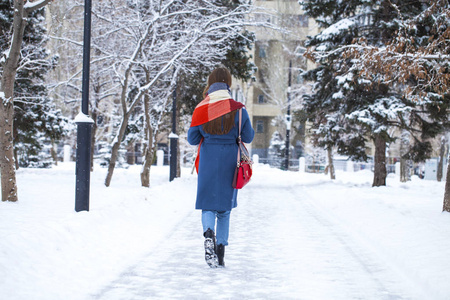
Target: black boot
[(220, 254), (210, 246)]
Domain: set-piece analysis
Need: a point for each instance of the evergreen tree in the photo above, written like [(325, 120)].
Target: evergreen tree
[(417, 59), (166, 41), (347, 106), (277, 150), (38, 125)]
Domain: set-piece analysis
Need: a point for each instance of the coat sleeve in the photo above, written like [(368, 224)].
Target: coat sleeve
[(194, 136), (247, 132)]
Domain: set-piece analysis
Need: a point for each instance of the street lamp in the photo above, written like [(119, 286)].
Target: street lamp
[(288, 118), (173, 137), (84, 123)]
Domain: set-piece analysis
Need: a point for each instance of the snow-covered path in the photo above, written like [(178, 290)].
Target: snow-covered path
[(293, 236), (282, 246)]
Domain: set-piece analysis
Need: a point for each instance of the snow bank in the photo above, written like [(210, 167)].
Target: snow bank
[(48, 251)]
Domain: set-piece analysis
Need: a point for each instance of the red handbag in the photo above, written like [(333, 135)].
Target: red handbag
[(243, 171)]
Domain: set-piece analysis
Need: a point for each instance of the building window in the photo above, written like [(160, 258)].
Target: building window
[(295, 21), (303, 20), (260, 99), (259, 126), (262, 52), (262, 76)]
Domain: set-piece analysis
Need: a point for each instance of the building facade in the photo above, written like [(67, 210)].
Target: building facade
[(278, 55)]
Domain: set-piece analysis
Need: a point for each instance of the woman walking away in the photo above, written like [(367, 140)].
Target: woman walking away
[(215, 127)]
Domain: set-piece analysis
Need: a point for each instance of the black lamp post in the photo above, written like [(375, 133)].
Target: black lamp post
[(84, 123), (173, 137), (288, 118)]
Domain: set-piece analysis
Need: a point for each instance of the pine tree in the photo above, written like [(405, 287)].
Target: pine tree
[(347, 105), (416, 58), (37, 122), (277, 150)]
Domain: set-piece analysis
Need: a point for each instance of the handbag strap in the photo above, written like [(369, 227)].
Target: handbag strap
[(239, 138)]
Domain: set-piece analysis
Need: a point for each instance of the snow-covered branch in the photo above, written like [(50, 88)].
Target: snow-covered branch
[(33, 5), (386, 51), (77, 43)]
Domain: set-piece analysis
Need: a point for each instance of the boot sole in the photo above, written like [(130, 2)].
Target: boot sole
[(210, 254)]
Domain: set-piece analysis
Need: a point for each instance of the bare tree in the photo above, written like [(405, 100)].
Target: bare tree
[(155, 102), (164, 36), (137, 46)]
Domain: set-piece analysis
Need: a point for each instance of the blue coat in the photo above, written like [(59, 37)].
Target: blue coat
[(218, 155)]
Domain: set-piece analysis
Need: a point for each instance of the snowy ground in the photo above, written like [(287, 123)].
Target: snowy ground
[(293, 236)]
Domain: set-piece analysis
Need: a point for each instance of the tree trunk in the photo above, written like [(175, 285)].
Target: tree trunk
[(447, 190), (123, 126), (148, 133), (440, 167), (405, 170), (54, 152), (115, 149), (145, 173), (149, 155), (7, 161), (405, 164), (149, 151), (331, 163), (379, 176)]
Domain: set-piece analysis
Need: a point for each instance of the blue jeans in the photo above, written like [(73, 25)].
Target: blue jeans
[(223, 224)]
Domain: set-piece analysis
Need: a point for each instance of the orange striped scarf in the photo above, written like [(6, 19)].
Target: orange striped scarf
[(215, 105)]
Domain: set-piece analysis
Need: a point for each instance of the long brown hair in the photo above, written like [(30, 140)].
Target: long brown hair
[(220, 125), (223, 124), (217, 75)]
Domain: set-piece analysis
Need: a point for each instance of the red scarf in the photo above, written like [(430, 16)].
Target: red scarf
[(215, 105)]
